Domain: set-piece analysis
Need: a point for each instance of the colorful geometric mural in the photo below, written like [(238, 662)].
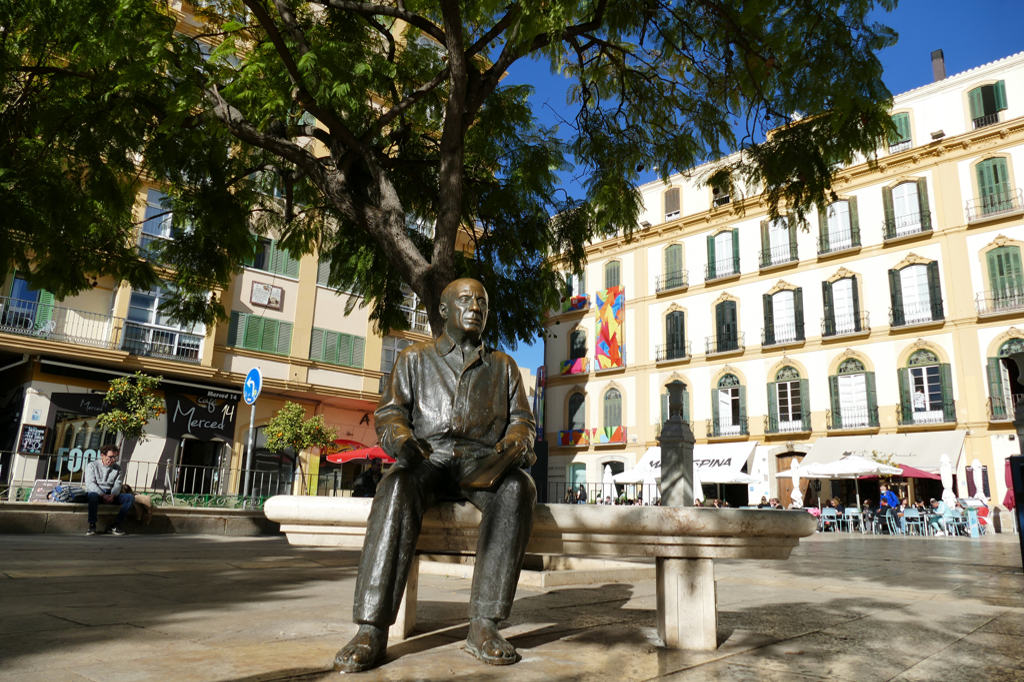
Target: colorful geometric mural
[(577, 366), (611, 313), (610, 434), (575, 437), (576, 303), (538, 400)]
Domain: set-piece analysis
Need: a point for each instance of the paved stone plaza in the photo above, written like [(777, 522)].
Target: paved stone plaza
[(212, 608)]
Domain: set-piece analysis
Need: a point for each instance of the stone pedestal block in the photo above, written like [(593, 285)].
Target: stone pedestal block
[(406, 620), (687, 613)]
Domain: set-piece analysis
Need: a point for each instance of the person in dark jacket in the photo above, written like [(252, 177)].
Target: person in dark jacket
[(366, 482)]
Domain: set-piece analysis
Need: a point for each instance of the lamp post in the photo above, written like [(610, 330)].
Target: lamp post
[(676, 443), (1014, 365)]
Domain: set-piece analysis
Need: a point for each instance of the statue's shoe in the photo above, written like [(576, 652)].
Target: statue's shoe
[(364, 651), (486, 644)]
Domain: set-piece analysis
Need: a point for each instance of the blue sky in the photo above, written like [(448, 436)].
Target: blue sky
[(969, 34)]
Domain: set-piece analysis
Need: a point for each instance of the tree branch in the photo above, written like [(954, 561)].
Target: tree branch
[(398, 12)]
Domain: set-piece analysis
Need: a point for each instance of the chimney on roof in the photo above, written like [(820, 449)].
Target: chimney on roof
[(938, 66)]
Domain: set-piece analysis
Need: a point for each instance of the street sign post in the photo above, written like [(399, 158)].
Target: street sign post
[(250, 391)]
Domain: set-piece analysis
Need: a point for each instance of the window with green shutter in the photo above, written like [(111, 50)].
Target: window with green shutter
[(986, 102), (994, 187), (900, 138), (336, 348), (611, 274), (1005, 278), (258, 333), (672, 204), (270, 256), (612, 408)]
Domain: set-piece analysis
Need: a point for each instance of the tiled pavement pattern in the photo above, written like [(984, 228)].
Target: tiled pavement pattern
[(185, 608)]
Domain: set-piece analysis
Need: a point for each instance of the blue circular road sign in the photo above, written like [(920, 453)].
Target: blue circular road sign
[(253, 385)]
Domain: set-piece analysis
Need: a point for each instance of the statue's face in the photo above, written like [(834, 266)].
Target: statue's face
[(465, 308)]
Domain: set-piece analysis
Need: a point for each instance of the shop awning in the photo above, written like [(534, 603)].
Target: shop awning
[(919, 450), (715, 463)]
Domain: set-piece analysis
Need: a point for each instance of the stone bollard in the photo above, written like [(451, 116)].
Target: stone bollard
[(687, 608)]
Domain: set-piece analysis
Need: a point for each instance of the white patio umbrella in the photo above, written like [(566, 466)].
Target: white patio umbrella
[(649, 487), (607, 485), (849, 467), (796, 496), (979, 483), (946, 474), (698, 488)]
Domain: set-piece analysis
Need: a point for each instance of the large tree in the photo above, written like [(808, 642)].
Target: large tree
[(347, 126)]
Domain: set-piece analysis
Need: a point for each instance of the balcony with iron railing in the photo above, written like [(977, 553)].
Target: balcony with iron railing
[(924, 413), (918, 222), (56, 323), (1003, 408), (417, 319), (672, 351), (774, 424), (845, 325), (989, 120), (778, 255), (727, 427), (901, 146), (671, 280), (714, 345), (840, 240), (1008, 300), (730, 267), (911, 314), (782, 334), (994, 205), (166, 344), (851, 418)]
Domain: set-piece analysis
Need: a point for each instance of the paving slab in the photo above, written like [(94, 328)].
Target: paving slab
[(223, 609)]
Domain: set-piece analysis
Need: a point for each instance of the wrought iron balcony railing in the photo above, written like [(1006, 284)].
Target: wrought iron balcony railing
[(844, 325), (714, 345), (778, 255), (782, 334), (672, 351), (167, 344), (905, 225), (721, 269), (989, 120), (916, 313), (994, 205), (671, 280), (56, 323), (858, 418), (724, 428), (901, 146), (840, 240), (1006, 300), (1002, 409), (923, 413), (417, 320), (774, 423)]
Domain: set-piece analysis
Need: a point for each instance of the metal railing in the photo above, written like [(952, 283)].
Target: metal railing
[(723, 268), (1003, 301), (994, 204), (840, 241), (901, 146), (989, 120), (417, 320), (902, 226), (773, 423), (843, 325), (860, 418), (1002, 409), (917, 313), (56, 323), (629, 494), (728, 344), (778, 255), (167, 344), (724, 428), (907, 415), (151, 246), (672, 351), (782, 334), (671, 280)]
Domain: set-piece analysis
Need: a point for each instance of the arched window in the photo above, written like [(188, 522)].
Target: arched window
[(916, 294), (673, 266), (612, 408), (578, 344), (729, 407), (986, 102), (611, 274), (784, 316), (726, 328), (672, 204), (1001, 399), (853, 397), (787, 401), (778, 241), (906, 208), (723, 254), (926, 390), (842, 307), (994, 187), (1005, 278), (577, 412), (838, 226), (675, 335)]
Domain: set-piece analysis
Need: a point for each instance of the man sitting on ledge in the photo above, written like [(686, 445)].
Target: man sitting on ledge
[(103, 480), (455, 416)]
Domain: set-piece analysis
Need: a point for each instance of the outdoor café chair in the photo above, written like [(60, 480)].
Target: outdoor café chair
[(912, 521), (850, 518), (829, 520), (957, 523)]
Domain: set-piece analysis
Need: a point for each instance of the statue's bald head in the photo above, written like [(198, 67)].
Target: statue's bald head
[(464, 308)]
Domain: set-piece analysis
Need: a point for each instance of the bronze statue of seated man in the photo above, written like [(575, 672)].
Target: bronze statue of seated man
[(456, 417)]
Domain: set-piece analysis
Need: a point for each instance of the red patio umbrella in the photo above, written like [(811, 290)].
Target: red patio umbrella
[(363, 454), (910, 472)]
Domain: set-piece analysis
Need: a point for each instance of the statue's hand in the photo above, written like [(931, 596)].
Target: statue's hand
[(518, 448), (413, 451)]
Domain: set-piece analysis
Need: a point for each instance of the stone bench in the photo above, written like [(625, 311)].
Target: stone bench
[(684, 542)]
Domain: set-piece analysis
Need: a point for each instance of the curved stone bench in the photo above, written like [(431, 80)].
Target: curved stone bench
[(685, 541)]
